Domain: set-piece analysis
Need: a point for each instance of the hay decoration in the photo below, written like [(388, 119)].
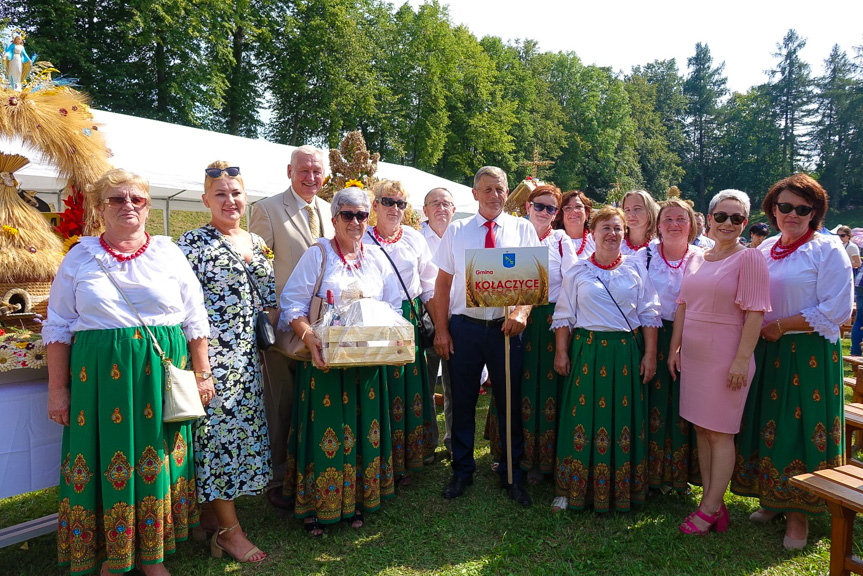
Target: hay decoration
[(55, 119), (673, 192), (517, 198), (29, 250)]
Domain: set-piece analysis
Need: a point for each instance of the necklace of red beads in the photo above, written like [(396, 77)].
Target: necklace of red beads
[(119, 255), (778, 251), (546, 235), (606, 267), (633, 247), (667, 263), (357, 263), (381, 239), (583, 243)]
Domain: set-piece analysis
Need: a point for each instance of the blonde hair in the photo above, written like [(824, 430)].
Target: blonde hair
[(115, 178), (649, 204), (221, 165), (390, 188), (607, 213), (684, 205)]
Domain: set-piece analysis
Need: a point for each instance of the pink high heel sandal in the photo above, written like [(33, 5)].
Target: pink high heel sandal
[(718, 522)]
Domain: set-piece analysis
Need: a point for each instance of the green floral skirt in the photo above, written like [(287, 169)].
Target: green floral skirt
[(793, 421), (411, 407), (672, 452), (601, 449), (128, 481), (339, 446)]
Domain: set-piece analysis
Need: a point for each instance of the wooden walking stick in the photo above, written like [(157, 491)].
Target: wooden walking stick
[(508, 404)]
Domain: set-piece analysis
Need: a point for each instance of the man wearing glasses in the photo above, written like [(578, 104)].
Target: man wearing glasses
[(471, 337), (289, 223), (439, 208)]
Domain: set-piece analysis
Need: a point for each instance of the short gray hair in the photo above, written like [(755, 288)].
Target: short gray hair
[(433, 190), (489, 171), (730, 194), (309, 150), (352, 196)]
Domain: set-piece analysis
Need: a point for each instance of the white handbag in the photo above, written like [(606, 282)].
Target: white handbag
[(180, 400)]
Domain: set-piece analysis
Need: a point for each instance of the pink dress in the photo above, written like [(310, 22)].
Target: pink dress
[(717, 296)]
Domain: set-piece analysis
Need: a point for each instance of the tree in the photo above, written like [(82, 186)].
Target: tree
[(704, 87), (791, 94)]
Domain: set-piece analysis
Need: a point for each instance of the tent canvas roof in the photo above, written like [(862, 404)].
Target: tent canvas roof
[(172, 159)]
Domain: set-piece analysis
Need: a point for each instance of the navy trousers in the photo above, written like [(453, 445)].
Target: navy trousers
[(476, 345)]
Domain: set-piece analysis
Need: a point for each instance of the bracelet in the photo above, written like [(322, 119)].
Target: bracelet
[(779, 327)]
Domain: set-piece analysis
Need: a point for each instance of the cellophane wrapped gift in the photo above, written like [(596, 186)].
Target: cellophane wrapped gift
[(365, 332)]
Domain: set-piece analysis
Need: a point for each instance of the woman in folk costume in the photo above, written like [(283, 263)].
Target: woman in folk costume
[(340, 446), (607, 310), (127, 492), (641, 210), (574, 218), (793, 421)]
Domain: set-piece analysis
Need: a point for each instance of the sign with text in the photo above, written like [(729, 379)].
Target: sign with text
[(498, 277)]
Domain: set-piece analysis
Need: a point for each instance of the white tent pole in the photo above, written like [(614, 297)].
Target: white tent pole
[(166, 216)]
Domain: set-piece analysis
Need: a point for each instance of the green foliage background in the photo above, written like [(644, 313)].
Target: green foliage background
[(430, 94)]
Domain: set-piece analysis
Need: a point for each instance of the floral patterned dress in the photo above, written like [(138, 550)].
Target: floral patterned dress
[(231, 442)]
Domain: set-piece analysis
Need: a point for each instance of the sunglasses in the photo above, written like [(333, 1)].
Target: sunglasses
[(539, 207), (736, 219), (216, 172), (118, 201), (348, 216), (843, 235), (787, 207), (390, 202)]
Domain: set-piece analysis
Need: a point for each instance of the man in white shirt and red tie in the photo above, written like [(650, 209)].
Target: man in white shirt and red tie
[(471, 337)]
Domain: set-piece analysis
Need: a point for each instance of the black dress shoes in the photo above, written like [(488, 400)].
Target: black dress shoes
[(519, 494), (456, 486)]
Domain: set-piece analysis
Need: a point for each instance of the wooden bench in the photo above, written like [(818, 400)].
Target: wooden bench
[(853, 423), (842, 488), (27, 530)]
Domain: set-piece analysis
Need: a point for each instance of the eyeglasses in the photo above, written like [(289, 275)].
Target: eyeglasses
[(118, 201), (787, 207), (446, 204), (573, 208), (390, 202), (348, 216), (736, 219), (539, 207), (216, 172), (683, 221)]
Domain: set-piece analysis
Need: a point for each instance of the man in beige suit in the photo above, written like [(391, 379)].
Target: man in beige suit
[(289, 223)]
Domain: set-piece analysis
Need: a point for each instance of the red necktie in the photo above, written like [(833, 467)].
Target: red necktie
[(489, 236)]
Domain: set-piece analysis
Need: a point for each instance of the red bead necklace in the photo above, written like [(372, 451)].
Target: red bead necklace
[(583, 243), (119, 255), (778, 251), (356, 264), (546, 235), (667, 263), (608, 267), (633, 247), (382, 241)]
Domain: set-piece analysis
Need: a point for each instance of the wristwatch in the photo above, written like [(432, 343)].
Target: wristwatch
[(205, 375)]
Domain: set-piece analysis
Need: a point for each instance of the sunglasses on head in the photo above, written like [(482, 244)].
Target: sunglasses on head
[(348, 216), (539, 207), (216, 172), (390, 202), (787, 207), (118, 201), (736, 219)]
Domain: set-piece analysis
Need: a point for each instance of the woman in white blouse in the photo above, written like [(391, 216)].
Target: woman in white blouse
[(573, 217), (669, 437), (128, 479), (608, 310), (641, 210), (340, 446), (411, 406), (793, 418)]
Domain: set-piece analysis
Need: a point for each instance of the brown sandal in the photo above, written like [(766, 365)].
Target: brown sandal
[(216, 550)]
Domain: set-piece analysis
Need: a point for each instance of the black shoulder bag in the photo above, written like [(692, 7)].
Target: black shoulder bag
[(424, 321), (265, 334)]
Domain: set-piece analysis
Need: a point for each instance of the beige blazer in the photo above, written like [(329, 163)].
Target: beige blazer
[(280, 222)]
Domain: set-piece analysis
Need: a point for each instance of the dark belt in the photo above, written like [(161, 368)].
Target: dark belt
[(492, 322)]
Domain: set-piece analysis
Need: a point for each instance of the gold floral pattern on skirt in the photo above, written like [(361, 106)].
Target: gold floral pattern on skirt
[(119, 471)]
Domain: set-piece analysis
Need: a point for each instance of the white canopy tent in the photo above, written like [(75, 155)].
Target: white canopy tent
[(172, 158)]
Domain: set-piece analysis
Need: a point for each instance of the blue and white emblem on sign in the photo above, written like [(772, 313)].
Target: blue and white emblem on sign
[(508, 260)]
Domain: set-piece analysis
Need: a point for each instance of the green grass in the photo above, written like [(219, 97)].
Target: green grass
[(481, 533)]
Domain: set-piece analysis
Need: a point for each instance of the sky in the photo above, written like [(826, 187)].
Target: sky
[(620, 34)]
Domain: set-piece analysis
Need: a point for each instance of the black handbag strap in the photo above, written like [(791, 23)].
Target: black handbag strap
[(242, 262), (399, 276), (625, 319)]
